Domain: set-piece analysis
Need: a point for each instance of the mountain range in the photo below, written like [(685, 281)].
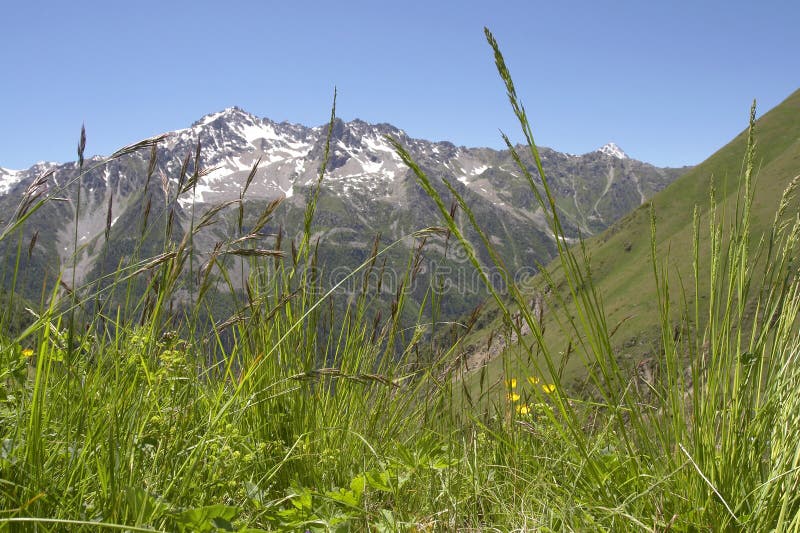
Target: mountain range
[(367, 191)]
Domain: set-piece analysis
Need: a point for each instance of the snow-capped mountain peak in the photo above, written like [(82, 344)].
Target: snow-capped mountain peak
[(612, 150), (229, 113), (231, 141)]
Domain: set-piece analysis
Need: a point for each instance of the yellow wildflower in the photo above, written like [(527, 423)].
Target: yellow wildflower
[(523, 409), (513, 397), (533, 380), (27, 352), (548, 387), (511, 383)]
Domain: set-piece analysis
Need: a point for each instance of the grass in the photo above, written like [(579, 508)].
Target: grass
[(310, 417)]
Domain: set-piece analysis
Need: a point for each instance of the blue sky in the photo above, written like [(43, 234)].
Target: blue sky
[(670, 82)]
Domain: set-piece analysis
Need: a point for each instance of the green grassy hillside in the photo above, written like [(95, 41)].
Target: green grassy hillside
[(620, 258)]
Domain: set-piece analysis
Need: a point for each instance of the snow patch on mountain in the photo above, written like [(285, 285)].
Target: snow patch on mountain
[(479, 170), (371, 167), (211, 117), (377, 144), (612, 150), (8, 178), (254, 132)]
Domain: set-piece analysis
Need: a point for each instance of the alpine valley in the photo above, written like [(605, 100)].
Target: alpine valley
[(366, 192)]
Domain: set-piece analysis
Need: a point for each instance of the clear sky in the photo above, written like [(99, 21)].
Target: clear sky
[(668, 81)]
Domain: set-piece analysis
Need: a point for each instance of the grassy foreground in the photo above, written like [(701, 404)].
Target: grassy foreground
[(304, 421)]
